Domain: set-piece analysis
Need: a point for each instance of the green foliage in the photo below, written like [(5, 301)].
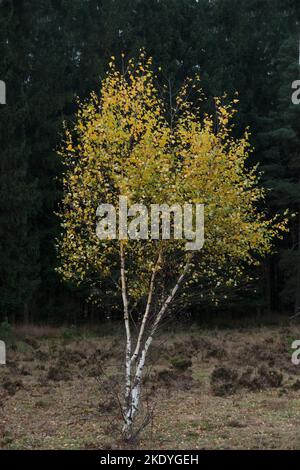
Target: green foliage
[(181, 363), (70, 333), (6, 333)]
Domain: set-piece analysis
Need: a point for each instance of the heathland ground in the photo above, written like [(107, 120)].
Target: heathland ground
[(207, 388)]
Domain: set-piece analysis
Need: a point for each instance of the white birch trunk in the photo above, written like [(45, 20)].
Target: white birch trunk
[(128, 335), (135, 388)]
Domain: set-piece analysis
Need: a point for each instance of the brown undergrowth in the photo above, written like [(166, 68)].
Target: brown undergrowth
[(210, 388)]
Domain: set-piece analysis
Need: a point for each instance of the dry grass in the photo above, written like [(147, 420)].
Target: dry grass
[(37, 331), (67, 409)]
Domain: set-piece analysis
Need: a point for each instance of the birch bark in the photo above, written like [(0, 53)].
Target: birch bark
[(135, 386), (127, 327)]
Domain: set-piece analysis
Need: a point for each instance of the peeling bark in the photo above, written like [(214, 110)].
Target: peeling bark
[(134, 381), (127, 325)]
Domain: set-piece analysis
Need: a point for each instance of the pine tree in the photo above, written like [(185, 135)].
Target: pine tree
[(281, 144), (19, 255)]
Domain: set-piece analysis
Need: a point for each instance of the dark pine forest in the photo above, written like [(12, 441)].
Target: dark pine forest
[(52, 51)]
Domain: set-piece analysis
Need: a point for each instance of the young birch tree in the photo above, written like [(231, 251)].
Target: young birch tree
[(123, 145)]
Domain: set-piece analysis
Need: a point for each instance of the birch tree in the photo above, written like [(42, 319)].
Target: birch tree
[(122, 144)]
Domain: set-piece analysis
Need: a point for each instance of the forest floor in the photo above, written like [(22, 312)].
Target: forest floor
[(207, 388)]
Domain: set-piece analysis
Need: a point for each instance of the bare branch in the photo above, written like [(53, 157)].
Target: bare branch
[(147, 310)]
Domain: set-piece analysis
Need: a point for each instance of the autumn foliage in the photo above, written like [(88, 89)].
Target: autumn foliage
[(122, 143)]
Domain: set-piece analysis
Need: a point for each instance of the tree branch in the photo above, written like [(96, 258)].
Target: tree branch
[(147, 310)]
